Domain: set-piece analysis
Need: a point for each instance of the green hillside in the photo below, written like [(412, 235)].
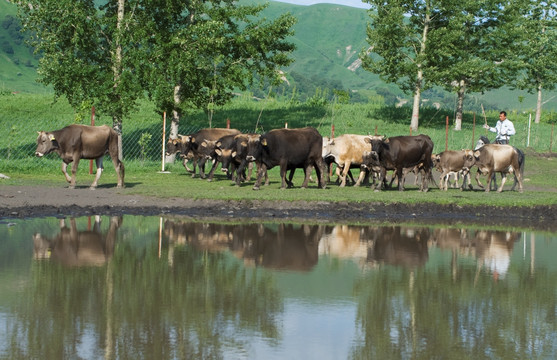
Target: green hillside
[(328, 37), (18, 67)]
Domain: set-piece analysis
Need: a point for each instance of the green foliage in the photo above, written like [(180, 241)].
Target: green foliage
[(144, 144)]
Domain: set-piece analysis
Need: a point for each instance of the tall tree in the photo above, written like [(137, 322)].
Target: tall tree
[(538, 50), (398, 37), (196, 53), (473, 49), (82, 51)]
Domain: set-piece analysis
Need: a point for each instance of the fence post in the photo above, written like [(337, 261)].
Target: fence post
[(529, 125), (92, 124), (447, 134), (163, 138), (375, 130), (228, 123), (551, 139), (410, 130), (473, 130)]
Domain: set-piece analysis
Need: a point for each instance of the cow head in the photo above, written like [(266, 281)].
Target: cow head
[(207, 148), (481, 142), (376, 141), (469, 159), (46, 143), (254, 147)]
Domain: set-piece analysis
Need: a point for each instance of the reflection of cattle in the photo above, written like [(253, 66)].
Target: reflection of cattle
[(344, 242), (75, 142), (78, 248), (399, 246), (494, 248), (287, 247), (292, 247)]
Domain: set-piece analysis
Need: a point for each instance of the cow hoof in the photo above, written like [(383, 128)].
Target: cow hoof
[(256, 188), (92, 188)]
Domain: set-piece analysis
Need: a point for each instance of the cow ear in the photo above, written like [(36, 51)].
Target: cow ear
[(243, 144), (204, 144), (218, 144), (477, 153), (264, 142), (192, 140), (386, 139), (367, 140), (234, 153), (51, 137), (218, 152)]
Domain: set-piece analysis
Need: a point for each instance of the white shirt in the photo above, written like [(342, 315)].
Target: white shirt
[(504, 129)]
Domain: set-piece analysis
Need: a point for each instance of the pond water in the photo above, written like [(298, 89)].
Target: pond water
[(170, 288)]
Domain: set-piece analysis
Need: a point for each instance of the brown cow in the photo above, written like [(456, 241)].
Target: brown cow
[(492, 158), (453, 162), (196, 143), (75, 142), (176, 145), (290, 149), (400, 152), (78, 248)]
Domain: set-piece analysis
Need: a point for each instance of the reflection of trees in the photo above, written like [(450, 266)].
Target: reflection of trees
[(137, 306), (431, 311)]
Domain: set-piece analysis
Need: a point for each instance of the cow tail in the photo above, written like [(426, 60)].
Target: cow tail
[(521, 161)]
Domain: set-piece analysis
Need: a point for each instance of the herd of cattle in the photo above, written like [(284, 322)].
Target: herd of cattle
[(291, 149), (286, 246)]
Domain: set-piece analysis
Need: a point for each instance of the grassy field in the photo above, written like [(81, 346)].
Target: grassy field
[(540, 186), (22, 115)]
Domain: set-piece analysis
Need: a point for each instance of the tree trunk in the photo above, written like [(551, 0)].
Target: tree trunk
[(416, 107), (420, 75), (539, 105), (175, 114), (174, 125), (459, 105), (116, 70)]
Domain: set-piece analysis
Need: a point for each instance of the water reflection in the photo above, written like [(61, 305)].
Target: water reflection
[(283, 246), (171, 288), (72, 247)]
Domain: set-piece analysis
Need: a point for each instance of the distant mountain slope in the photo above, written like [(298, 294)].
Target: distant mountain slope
[(328, 37)]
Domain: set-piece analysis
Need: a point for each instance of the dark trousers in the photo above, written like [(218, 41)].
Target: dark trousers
[(502, 142)]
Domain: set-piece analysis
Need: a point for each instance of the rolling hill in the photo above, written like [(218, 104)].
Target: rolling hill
[(328, 38)]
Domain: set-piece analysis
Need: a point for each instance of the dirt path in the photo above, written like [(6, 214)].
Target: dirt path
[(37, 201)]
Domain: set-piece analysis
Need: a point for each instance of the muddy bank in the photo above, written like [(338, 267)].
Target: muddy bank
[(37, 201)]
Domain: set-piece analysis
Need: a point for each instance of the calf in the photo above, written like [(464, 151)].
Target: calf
[(198, 142), (76, 142), (290, 149), (492, 158), (452, 161), (400, 152)]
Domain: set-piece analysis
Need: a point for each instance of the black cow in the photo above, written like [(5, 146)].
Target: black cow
[(196, 143), (75, 142), (400, 152), (290, 149)]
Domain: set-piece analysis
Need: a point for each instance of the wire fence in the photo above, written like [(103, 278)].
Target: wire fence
[(142, 138)]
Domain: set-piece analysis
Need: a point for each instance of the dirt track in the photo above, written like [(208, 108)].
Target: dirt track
[(37, 201)]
